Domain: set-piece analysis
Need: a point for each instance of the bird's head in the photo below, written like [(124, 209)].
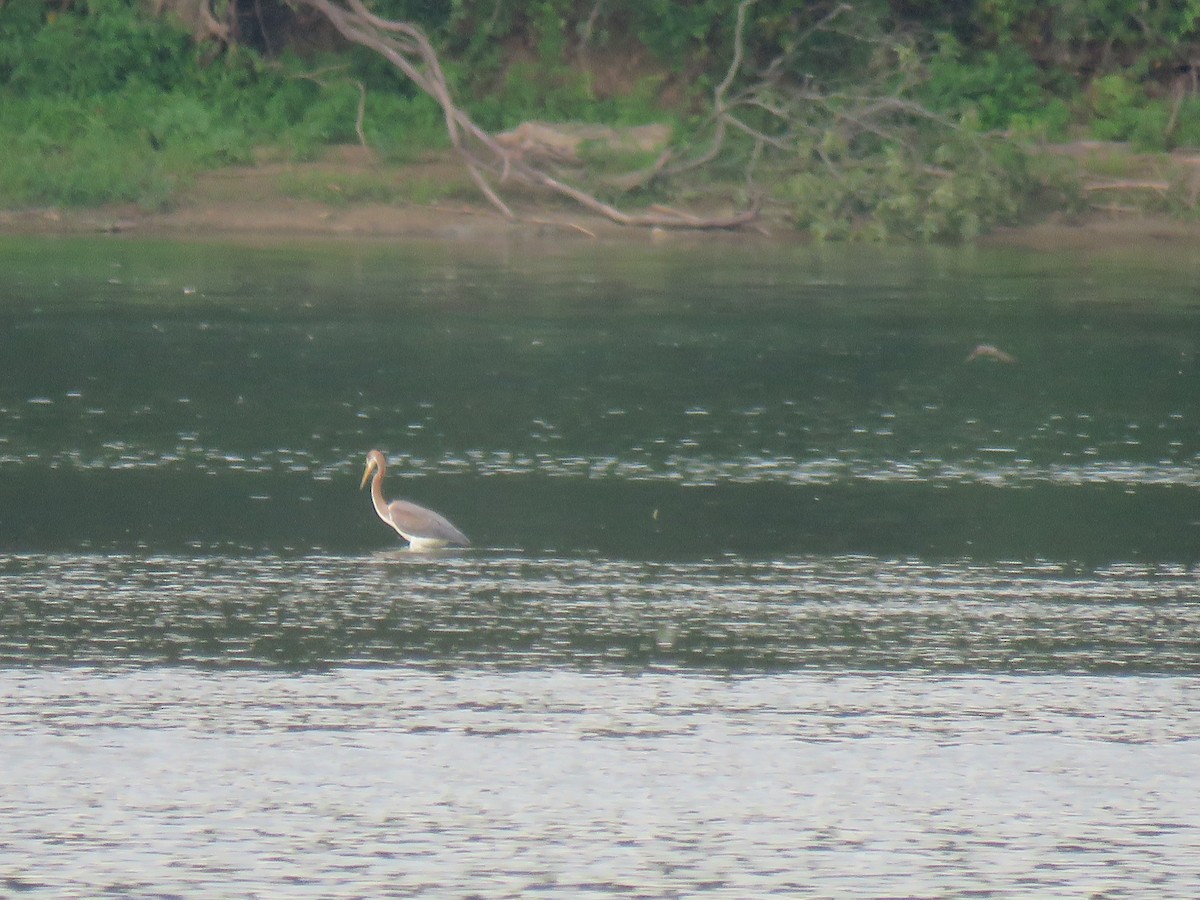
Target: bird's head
[(375, 461)]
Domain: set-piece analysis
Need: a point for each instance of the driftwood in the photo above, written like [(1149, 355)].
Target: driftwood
[(486, 158), (198, 17), (565, 143), (1137, 184)]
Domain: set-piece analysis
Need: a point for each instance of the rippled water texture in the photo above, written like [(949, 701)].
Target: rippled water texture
[(771, 591), (402, 782), (644, 403), (848, 613)]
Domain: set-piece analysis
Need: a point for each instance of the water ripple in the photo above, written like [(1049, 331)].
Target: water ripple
[(675, 468), (518, 611), (409, 780)]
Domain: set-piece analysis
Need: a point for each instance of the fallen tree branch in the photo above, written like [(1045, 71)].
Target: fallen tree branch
[(201, 19), (1160, 187), (407, 48), (360, 113)]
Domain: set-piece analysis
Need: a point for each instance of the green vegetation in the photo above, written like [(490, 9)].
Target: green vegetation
[(101, 103), (872, 119)]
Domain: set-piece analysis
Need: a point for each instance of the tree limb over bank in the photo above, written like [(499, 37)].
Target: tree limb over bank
[(199, 17), (407, 48)]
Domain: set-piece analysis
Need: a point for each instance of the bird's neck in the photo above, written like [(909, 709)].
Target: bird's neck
[(377, 496)]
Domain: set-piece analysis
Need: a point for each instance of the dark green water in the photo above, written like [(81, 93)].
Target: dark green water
[(771, 590), (662, 404)]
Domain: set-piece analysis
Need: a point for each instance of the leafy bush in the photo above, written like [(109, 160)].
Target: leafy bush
[(99, 103), (998, 86), (78, 160), (1121, 111), (93, 51), (1089, 36), (1115, 108), (957, 186)]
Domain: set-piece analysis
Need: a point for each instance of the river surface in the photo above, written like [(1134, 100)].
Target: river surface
[(772, 589)]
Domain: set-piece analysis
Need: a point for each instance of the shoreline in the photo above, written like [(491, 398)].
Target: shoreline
[(287, 219), (251, 204)]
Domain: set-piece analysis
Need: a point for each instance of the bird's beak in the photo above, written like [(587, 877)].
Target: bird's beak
[(367, 473)]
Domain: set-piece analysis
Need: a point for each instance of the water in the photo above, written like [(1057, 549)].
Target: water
[(411, 783), (771, 592), (521, 612)]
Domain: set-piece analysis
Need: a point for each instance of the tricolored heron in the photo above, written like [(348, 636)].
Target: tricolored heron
[(422, 528)]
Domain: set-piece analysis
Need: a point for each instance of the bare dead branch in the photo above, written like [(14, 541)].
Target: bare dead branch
[(407, 48), (573, 226), (1159, 187), (199, 17), (719, 114), (739, 51), (316, 77), (759, 137), (361, 113)]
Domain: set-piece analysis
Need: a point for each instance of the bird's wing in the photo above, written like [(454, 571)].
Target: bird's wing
[(415, 521)]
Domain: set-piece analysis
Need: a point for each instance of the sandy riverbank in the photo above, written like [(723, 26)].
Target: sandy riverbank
[(260, 203)]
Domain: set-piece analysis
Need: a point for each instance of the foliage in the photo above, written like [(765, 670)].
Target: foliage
[(97, 51), (70, 155), (865, 117), (1091, 37), (951, 190), (1121, 110), (996, 86), (100, 103)]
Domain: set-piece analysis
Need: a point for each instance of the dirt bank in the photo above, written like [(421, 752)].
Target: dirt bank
[(335, 198)]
